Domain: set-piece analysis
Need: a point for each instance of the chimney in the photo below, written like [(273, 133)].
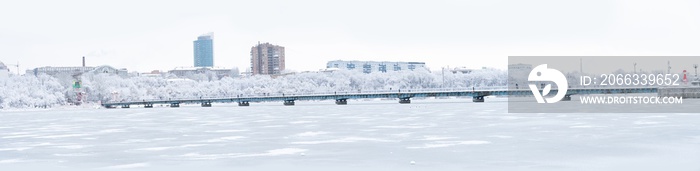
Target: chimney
[(83, 61)]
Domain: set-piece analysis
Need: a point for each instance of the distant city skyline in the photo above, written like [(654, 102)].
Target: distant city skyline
[(466, 33)]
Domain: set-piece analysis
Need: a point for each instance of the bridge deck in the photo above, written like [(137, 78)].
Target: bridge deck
[(399, 95)]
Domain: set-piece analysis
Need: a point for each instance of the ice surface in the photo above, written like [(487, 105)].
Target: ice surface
[(443, 134)]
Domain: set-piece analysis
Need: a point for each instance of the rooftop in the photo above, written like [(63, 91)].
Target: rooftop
[(378, 61), (199, 68)]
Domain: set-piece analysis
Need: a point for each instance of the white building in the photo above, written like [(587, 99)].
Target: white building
[(520, 67), (105, 69), (375, 66), (219, 72), (463, 70), (517, 75), (71, 71)]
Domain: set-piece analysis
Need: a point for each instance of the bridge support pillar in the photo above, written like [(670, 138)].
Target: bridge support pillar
[(341, 101), (206, 104), (566, 98), (148, 105), (174, 104), (243, 103), (404, 100), (125, 106), (478, 99), (288, 102), (110, 107)]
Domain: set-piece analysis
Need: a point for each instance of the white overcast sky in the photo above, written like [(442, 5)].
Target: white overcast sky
[(157, 35)]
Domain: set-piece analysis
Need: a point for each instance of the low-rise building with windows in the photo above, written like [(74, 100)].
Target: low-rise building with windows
[(219, 72), (72, 71), (375, 66)]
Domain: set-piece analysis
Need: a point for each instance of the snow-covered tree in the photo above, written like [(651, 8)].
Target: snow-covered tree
[(45, 91), (31, 92)]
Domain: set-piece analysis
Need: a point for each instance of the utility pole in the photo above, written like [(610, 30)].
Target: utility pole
[(581, 63), (17, 68), (669, 67), (635, 67), (443, 77), (696, 70)]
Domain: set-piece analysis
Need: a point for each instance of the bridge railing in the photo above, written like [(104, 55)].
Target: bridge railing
[(354, 92), (357, 92)]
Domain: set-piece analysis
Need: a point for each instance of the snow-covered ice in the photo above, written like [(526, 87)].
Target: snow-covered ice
[(442, 134)]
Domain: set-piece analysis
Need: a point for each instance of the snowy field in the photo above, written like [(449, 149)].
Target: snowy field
[(444, 134)]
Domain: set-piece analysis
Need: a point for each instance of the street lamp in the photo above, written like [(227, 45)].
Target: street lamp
[(443, 77), (696, 70)]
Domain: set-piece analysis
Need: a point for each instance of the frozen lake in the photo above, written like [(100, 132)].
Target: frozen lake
[(445, 134)]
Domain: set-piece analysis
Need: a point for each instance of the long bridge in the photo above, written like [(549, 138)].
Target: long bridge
[(403, 96)]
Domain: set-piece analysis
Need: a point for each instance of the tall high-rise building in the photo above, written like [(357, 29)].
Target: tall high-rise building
[(266, 59), (204, 51)]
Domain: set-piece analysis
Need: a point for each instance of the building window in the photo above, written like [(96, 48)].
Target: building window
[(411, 67), (382, 67), (351, 66), (335, 65), (397, 67), (366, 68)]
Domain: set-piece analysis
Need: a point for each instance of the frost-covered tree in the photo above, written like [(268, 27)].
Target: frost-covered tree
[(30, 91)]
